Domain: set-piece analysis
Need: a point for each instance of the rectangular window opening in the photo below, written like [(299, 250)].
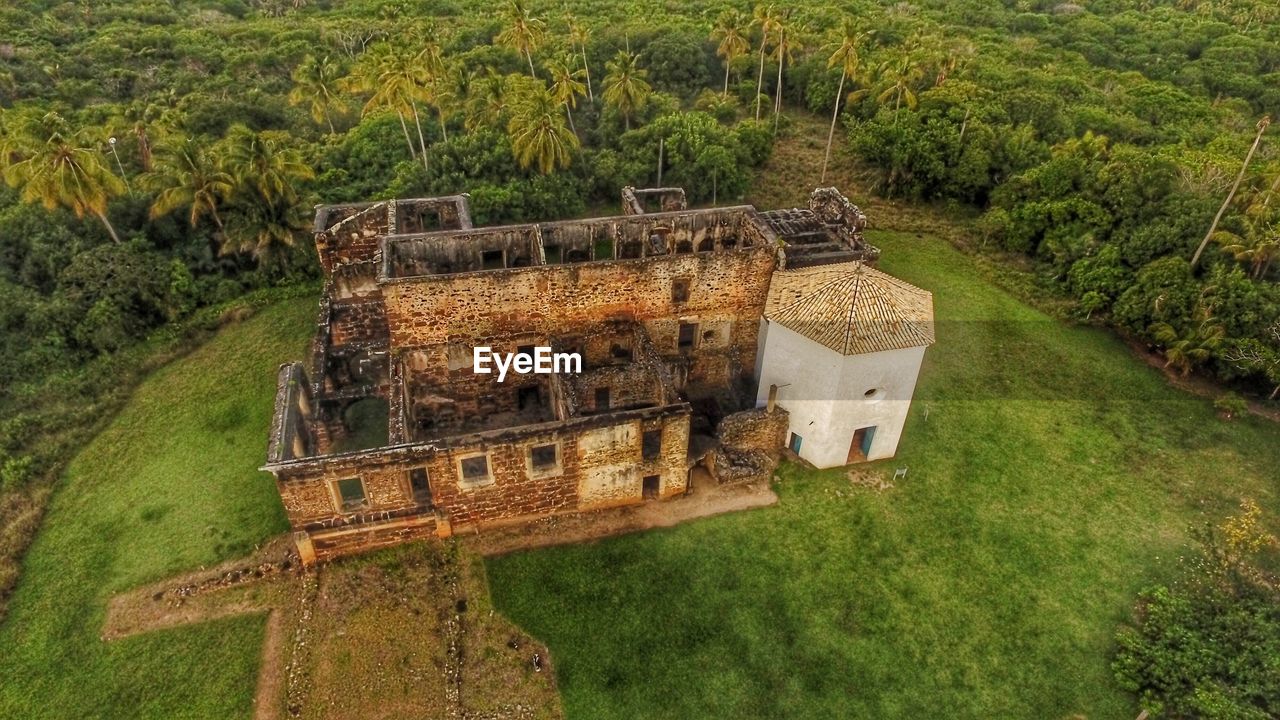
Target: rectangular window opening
[(651, 486), (553, 254), (475, 469), (351, 493), (680, 290), (688, 335), (492, 259), (651, 444), (602, 398), (420, 487), (544, 457)]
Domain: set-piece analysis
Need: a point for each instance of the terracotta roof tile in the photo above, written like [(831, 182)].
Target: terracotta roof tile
[(851, 308)]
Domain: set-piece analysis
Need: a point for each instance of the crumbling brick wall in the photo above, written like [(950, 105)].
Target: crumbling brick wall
[(350, 234), (726, 295), (601, 455), (751, 443), (755, 429)]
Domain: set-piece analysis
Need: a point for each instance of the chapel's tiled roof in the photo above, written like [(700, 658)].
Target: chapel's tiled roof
[(851, 308)]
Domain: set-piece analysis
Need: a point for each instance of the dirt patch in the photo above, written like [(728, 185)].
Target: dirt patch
[(405, 632), (1194, 384), (254, 584), (861, 477), (706, 500)]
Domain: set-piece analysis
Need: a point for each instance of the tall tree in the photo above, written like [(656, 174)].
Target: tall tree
[(186, 176), (845, 56), (898, 77), (730, 37), (767, 19), (433, 76), (566, 87), (524, 33), (406, 78), (783, 51), (1263, 124), (263, 164), (487, 100), (625, 87), (315, 84), (397, 80), (368, 78), (57, 166), (266, 171), (538, 133), (579, 35)]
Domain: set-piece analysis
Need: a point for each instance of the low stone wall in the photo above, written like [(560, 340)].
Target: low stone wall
[(326, 545), (755, 429), (751, 444)]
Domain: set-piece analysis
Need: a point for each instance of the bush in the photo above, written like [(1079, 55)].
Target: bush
[(1230, 404), (1206, 646)]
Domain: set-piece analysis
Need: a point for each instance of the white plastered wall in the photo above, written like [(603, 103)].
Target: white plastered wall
[(825, 393)]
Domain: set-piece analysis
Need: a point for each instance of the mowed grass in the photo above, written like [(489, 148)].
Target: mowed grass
[(1054, 477), (170, 485)]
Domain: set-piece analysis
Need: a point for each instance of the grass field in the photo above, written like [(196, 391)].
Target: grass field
[(170, 485), (1054, 477)]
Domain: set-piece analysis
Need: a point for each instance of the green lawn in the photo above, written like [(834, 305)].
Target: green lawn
[(171, 484), (1054, 477)]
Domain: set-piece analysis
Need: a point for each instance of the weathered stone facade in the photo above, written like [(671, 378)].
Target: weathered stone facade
[(390, 433)]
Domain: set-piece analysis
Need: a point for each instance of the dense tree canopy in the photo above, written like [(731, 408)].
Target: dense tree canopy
[(162, 155)]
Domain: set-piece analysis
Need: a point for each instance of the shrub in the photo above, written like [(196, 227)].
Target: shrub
[(1206, 646), (1230, 404)]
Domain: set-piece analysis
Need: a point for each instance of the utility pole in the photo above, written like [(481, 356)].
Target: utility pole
[(112, 142), (660, 147)]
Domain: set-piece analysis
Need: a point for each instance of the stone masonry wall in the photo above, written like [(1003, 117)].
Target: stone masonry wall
[(515, 491), (755, 429), (725, 299)]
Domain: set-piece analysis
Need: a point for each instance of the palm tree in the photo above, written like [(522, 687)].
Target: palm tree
[(265, 171), (1263, 124), (367, 78), (783, 51), (264, 231), (1183, 352), (487, 101), (578, 38), (187, 177), (766, 17), (538, 133), (625, 87), (1257, 247), (406, 79), (566, 87), (844, 56), (524, 33), (433, 79), (397, 80), (57, 166), (315, 83), (899, 76), (263, 166), (732, 42)]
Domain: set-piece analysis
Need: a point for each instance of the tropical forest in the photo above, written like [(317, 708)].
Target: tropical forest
[(1091, 189)]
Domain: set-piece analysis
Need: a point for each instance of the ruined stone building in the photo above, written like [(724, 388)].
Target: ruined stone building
[(706, 336)]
